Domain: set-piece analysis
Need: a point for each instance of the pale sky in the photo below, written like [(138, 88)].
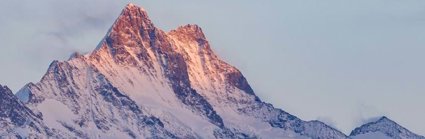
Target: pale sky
[(338, 61)]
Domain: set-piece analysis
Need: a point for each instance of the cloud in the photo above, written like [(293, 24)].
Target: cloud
[(367, 113), (371, 119), (329, 121)]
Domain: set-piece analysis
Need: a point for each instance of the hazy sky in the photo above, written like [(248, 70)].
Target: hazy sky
[(339, 61)]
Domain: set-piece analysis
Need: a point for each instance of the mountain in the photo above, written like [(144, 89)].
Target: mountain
[(383, 128), (17, 120), (143, 82)]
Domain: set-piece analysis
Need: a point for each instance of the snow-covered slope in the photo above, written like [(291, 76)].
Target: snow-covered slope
[(17, 121), (383, 128)]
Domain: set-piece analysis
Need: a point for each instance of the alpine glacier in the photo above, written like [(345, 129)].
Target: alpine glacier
[(142, 82)]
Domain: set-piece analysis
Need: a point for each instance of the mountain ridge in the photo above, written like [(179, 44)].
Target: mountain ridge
[(180, 61), (142, 82), (387, 127)]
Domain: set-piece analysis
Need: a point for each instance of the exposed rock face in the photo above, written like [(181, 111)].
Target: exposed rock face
[(12, 108), (17, 121), (386, 127)]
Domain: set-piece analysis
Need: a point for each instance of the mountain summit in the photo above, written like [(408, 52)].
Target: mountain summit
[(142, 82), (383, 128)]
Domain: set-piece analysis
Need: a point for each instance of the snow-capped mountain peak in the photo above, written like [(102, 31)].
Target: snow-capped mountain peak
[(385, 128), (143, 82), (132, 5)]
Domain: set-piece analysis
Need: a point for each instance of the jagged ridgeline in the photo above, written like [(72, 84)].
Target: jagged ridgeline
[(142, 82)]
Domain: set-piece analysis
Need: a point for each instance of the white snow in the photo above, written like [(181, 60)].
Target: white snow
[(55, 112), (23, 132), (372, 135), (155, 95)]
